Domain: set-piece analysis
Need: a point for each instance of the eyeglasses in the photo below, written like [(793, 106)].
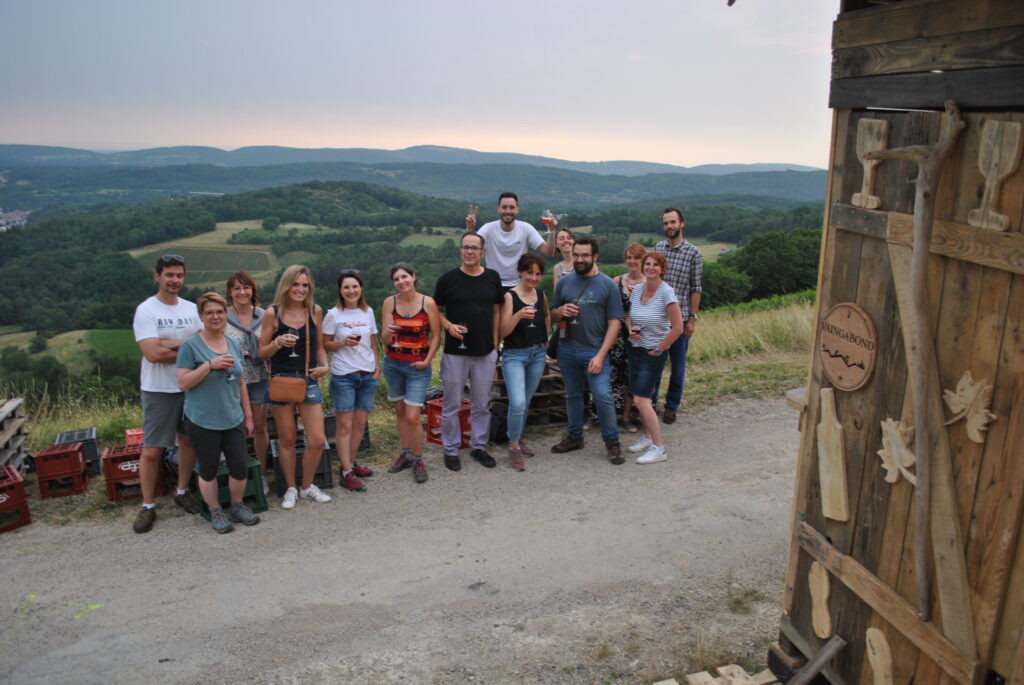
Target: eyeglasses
[(214, 313), (470, 248), (172, 260)]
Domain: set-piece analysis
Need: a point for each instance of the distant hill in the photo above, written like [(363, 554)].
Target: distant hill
[(33, 155), (83, 187)]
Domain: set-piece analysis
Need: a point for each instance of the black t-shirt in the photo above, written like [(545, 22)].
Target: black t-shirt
[(522, 335), (469, 301)]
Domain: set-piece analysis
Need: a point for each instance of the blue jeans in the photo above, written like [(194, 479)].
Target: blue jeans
[(353, 391), (572, 362), (677, 376), (522, 368)]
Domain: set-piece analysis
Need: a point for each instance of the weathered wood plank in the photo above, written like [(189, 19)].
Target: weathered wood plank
[(869, 222), (801, 643), (1000, 47), (976, 88), (977, 245), (912, 19), (890, 606), (1011, 629)]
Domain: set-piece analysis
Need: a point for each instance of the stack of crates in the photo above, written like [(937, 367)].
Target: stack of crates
[(121, 472), (324, 477), (133, 436), (13, 503), (253, 495), (434, 408), (61, 470), (90, 447)]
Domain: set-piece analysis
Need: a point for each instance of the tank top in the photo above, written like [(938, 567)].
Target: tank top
[(522, 335), (414, 337), (281, 362)]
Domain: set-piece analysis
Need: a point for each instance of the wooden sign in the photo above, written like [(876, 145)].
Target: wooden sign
[(848, 346)]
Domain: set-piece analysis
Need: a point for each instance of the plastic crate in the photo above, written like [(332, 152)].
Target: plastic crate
[(253, 495), (90, 446), (121, 472), (63, 485), (324, 476), (433, 423), (57, 461), (14, 511), (330, 428), (133, 436)]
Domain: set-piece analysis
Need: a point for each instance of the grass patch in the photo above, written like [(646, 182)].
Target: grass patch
[(116, 342), (728, 334), (214, 264), (741, 600), (424, 239)]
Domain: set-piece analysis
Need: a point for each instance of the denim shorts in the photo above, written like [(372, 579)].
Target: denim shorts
[(644, 371), (406, 383), (259, 392), (313, 395), (353, 391)]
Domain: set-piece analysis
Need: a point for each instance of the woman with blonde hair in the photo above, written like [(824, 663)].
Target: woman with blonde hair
[(289, 340), (217, 414)]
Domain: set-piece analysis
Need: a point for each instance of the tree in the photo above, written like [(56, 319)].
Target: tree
[(271, 223), (722, 285), (37, 343), (778, 263)]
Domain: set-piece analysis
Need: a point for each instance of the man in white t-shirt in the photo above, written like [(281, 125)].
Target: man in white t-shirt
[(162, 323), (507, 239)]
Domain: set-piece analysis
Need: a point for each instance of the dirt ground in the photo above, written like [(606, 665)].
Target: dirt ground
[(575, 571)]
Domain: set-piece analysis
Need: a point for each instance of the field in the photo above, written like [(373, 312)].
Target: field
[(119, 342)]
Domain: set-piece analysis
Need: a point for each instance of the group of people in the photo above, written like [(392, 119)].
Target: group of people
[(210, 370)]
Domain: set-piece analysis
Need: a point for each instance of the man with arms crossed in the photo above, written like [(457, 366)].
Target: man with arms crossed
[(470, 299), (684, 274), (508, 239), (591, 303), (161, 324)]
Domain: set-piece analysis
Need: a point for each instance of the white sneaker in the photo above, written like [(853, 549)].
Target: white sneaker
[(653, 455), (640, 445), (288, 501), (313, 493)]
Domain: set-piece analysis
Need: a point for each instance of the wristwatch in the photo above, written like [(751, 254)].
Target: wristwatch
[(693, 316)]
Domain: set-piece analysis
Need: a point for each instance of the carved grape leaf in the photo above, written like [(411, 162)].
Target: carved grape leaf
[(970, 401), (897, 457)]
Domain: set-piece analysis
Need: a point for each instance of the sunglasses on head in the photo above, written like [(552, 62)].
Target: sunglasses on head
[(348, 272), (172, 260)]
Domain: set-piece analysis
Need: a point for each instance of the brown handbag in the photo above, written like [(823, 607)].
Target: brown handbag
[(291, 388)]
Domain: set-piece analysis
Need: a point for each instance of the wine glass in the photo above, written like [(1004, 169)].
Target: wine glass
[(294, 332), (395, 329), (531, 314), (575, 319), (547, 217), (465, 331)]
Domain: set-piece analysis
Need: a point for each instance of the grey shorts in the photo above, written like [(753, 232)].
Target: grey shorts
[(162, 418)]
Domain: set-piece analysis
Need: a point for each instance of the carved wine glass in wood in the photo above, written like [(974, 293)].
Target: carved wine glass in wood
[(998, 157), (872, 135)]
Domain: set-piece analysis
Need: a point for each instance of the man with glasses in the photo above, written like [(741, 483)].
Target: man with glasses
[(161, 324), (589, 304), (470, 299), (508, 239)]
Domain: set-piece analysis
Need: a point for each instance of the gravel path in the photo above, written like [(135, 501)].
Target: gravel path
[(575, 571)]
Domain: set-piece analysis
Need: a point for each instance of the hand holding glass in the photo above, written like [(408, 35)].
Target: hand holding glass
[(293, 341)]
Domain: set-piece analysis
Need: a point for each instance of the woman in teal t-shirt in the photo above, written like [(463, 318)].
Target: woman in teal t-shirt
[(217, 413)]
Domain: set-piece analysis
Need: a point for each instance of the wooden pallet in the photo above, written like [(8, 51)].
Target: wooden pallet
[(13, 433), (727, 675)]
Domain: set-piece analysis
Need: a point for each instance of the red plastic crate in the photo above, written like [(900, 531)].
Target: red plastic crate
[(133, 436), (14, 511), (434, 409), (62, 485), (121, 472), (57, 461)]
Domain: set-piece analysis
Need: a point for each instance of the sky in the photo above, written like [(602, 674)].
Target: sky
[(683, 82)]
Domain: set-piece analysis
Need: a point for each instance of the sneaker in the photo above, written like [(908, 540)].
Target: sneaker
[(401, 463), (484, 458), (452, 462), (569, 443), (290, 496), (631, 427), (653, 455), (361, 471), (668, 416), (419, 471), (188, 502), (144, 520), (351, 482), (244, 515), (515, 458), (614, 452), (220, 521), (527, 452), (640, 445), (313, 493)]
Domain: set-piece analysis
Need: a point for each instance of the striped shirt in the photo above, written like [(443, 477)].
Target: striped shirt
[(684, 273), (651, 317)]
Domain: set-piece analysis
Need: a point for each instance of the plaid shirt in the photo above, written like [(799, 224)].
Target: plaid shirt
[(685, 271)]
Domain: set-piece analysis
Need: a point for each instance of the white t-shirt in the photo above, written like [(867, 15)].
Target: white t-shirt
[(504, 248), (154, 319), (339, 324)]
